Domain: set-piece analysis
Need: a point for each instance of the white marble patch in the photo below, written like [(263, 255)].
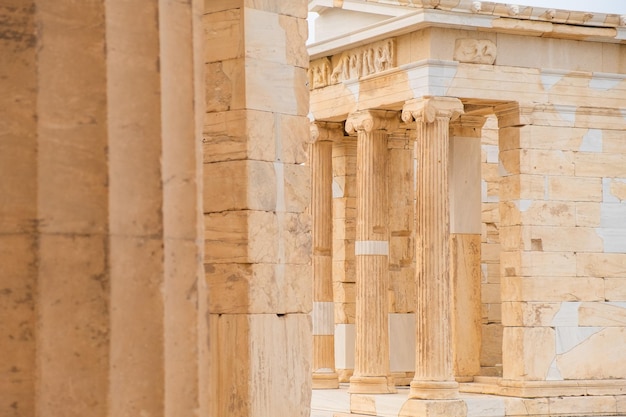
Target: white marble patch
[(549, 80), (604, 82), (483, 192), (613, 215), (344, 346), (371, 247), (566, 112), (402, 342), (323, 317), (592, 141), (440, 76), (567, 314), (492, 152), (522, 205), (568, 338), (337, 189), (614, 239), (485, 406), (553, 372), (354, 87), (607, 195)]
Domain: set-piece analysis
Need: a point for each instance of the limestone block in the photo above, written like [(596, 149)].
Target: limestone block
[(541, 137), (551, 288), (290, 8), (344, 292), (490, 213), (608, 265), (490, 252), (490, 293), (243, 134), (491, 313), (590, 164), (532, 264), (343, 249), (344, 228), (266, 80), (242, 288), (526, 406), (225, 85), (344, 271), (588, 214), (531, 314), (527, 352), (257, 237), (525, 187), (582, 405), (433, 408), (602, 314), (551, 239), (543, 162), (223, 31), (475, 51), (491, 345), (564, 188), (403, 291), (246, 354), (615, 289), (401, 250), (621, 403), (345, 313), (277, 38)]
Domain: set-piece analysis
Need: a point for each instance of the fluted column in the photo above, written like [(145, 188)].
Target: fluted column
[(371, 368), (434, 374), (320, 160)]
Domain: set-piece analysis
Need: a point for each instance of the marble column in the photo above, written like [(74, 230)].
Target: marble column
[(434, 373), (371, 370), (320, 161)]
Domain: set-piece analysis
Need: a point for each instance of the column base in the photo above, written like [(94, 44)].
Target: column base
[(433, 408), (434, 390), (372, 385), (325, 380)]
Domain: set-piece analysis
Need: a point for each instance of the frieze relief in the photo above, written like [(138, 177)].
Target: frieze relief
[(353, 64)]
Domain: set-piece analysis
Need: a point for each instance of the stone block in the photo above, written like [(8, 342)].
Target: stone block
[(567, 188), (290, 8), (344, 271), (532, 264), (491, 345), (550, 239), (537, 162), (607, 265), (264, 81), (240, 288), (225, 86), (590, 405), (550, 288), (522, 187), (526, 406), (541, 137), (248, 353), (598, 356), (401, 250), (527, 352), (602, 314), (588, 214), (345, 313), (403, 290), (591, 164), (257, 237), (223, 31), (615, 289), (433, 408), (257, 135), (344, 292), (529, 314)]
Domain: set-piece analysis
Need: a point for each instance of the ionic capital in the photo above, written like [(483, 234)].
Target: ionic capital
[(325, 132), (429, 109), (370, 120)]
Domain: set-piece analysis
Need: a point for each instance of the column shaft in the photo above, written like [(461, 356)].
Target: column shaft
[(434, 376), (320, 157), (371, 371)]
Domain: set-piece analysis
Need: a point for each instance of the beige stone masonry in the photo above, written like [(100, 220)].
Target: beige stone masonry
[(434, 373), (371, 370)]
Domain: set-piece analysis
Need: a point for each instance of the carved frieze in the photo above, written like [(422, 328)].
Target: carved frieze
[(475, 51), (353, 64)]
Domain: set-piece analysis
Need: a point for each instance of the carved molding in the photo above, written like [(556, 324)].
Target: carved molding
[(325, 131), (429, 109), (370, 120), (475, 51)]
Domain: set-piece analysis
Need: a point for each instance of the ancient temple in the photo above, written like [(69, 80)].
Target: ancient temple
[(421, 214), (478, 162)]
